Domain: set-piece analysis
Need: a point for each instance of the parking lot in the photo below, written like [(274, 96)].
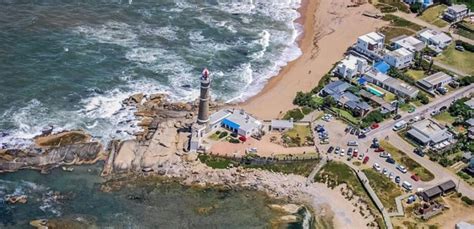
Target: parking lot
[(335, 130)]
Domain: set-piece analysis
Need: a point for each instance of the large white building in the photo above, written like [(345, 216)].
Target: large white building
[(434, 38), (434, 81), (391, 84), (399, 58), (456, 13), (409, 42), (237, 121), (351, 66), (371, 45), (429, 132)]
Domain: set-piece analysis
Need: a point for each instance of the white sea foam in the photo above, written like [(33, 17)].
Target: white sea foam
[(111, 32)]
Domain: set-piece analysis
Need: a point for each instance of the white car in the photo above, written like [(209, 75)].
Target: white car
[(361, 156), (342, 152), (377, 167), (402, 168)]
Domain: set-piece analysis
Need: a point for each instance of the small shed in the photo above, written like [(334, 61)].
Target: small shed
[(447, 186), (431, 193), (281, 125)]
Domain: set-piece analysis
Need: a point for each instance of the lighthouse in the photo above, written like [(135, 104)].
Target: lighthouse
[(203, 113)]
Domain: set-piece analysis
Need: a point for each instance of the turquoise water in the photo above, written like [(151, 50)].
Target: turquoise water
[(134, 205), (70, 63), (374, 91)]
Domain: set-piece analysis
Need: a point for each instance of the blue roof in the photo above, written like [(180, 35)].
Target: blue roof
[(230, 124), (361, 81), (382, 67)]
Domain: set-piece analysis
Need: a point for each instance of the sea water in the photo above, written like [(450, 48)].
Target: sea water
[(132, 205), (70, 63)]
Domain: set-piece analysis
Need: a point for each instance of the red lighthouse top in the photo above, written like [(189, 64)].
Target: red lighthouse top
[(205, 74)]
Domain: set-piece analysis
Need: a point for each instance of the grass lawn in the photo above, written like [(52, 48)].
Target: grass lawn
[(302, 168), (400, 22), (318, 100), (346, 115), (432, 15), (401, 158), (391, 33), (406, 107), (307, 155), (445, 118), (389, 97), (386, 190), (395, 3), (415, 74), (466, 29), (215, 162), (301, 131), (460, 60)]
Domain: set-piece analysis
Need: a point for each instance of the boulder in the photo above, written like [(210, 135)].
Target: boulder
[(62, 139), (137, 98)]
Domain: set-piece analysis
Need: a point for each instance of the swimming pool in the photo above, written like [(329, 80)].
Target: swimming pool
[(375, 91)]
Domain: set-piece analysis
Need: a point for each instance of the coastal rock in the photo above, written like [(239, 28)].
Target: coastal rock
[(287, 208), (289, 219), (62, 139), (13, 199), (136, 98)]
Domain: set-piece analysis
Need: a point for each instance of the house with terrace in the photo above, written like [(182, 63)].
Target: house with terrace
[(351, 66), (399, 58), (434, 81), (408, 42), (436, 40), (371, 45), (390, 84), (456, 12)]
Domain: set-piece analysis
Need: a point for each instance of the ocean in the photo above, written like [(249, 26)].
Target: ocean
[(133, 204), (70, 63)]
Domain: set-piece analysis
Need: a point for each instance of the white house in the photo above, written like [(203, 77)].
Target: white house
[(371, 45), (399, 58), (435, 38), (434, 81), (391, 84), (408, 42), (456, 13), (351, 66), (237, 121)]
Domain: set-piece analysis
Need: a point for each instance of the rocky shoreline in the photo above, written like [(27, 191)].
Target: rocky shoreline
[(159, 149)]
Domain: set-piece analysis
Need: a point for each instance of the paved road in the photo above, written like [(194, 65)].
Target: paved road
[(425, 109)]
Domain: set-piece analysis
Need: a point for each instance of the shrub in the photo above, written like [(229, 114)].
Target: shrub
[(306, 110), (465, 81), (296, 114), (466, 45), (416, 7), (423, 98), (233, 140), (467, 200), (218, 132), (374, 116), (222, 134), (325, 80)]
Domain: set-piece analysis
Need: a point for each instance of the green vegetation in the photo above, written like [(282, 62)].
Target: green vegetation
[(445, 118), (296, 114), (392, 32), (298, 135), (302, 168), (466, 177), (394, 3), (215, 162), (389, 97), (346, 115), (458, 108), (306, 110), (465, 29), (374, 116), (304, 156), (457, 59), (393, 72), (400, 22), (407, 107), (469, 3), (467, 200), (432, 15), (422, 98), (386, 190), (409, 163), (415, 74)]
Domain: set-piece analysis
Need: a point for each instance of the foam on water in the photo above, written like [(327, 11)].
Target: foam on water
[(243, 43)]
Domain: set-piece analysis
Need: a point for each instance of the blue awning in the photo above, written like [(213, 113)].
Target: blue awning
[(230, 124), (362, 81), (382, 67)]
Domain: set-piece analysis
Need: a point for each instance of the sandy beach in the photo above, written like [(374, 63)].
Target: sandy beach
[(330, 27)]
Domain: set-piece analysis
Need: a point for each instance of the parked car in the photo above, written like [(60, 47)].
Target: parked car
[(349, 150), (324, 141), (459, 48), (443, 108), (352, 143), (442, 90), (390, 160), (407, 185), (411, 199), (397, 179), (342, 152), (384, 171), (415, 177), (331, 148), (352, 131), (390, 175), (366, 159), (354, 154), (419, 152), (374, 126), (385, 155), (361, 156), (362, 135), (349, 154), (337, 150), (379, 149), (376, 166), (433, 113), (402, 168), (397, 117), (349, 158)]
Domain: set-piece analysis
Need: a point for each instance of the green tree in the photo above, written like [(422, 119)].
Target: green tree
[(423, 98)]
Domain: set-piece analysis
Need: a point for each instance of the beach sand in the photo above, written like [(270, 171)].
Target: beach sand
[(330, 27)]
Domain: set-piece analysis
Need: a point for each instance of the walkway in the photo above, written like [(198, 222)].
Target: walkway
[(365, 181), (398, 201), (321, 164)]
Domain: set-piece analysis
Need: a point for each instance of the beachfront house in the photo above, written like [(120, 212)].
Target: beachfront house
[(281, 125), (351, 66), (435, 40), (409, 42), (338, 90), (399, 58), (427, 132), (335, 87), (390, 84), (434, 81), (371, 45), (424, 3), (456, 12)]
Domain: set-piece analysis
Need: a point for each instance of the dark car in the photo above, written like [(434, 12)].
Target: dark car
[(443, 108), (419, 152), (352, 131), (397, 179), (397, 117), (331, 148), (390, 160), (362, 135)]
